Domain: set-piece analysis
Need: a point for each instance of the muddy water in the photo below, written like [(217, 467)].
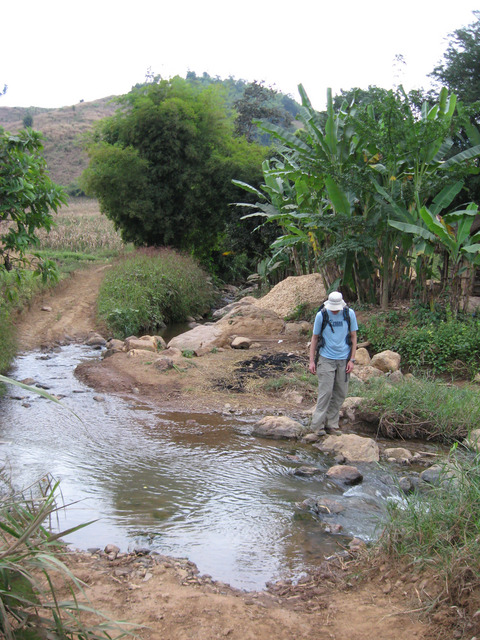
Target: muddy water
[(186, 485)]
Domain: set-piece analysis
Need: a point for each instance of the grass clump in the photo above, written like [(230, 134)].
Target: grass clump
[(31, 572), (423, 409), (440, 532), (149, 289)]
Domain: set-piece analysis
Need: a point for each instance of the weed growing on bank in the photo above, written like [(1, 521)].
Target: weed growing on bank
[(424, 409), (440, 532), (145, 291), (31, 568)]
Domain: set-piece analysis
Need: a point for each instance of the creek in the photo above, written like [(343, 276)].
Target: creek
[(182, 484)]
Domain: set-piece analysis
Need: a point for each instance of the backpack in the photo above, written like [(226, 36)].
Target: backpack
[(326, 320)]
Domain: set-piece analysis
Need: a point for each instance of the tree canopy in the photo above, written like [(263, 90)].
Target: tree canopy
[(162, 167), (28, 197), (460, 68)]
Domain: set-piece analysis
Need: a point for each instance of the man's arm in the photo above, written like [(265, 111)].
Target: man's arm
[(353, 351), (312, 367)]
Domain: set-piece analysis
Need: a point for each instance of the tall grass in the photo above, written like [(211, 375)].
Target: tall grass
[(152, 288), (423, 409), (30, 570), (440, 532)]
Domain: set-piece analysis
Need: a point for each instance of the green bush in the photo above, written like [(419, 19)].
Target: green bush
[(449, 346), (144, 292)]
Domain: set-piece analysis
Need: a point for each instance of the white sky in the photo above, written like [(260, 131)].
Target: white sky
[(55, 53)]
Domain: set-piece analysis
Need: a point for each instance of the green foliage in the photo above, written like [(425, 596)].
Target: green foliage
[(27, 199), (423, 409), (428, 341), (142, 293), (162, 169), (440, 531), (27, 120), (459, 69), (30, 565)]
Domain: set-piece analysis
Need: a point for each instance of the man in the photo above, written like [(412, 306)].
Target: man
[(337, 345)]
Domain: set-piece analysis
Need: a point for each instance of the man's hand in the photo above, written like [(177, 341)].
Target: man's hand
[(312, 367), (349, 368)]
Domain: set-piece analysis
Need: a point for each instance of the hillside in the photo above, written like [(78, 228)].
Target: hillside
[(62, 129)]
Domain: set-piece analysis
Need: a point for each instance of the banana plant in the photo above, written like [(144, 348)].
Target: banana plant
[(451, 232)]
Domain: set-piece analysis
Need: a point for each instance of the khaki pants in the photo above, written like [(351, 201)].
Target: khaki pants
[(332, 390)]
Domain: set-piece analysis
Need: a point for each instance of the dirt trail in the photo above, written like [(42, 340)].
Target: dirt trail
[(162, 594)]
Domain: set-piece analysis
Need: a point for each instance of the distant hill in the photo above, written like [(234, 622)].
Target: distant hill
[(62, 129)]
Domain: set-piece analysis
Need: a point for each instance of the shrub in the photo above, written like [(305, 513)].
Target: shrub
[(144, 292)]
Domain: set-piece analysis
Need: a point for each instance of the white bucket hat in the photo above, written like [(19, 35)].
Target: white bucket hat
[(335, 301)]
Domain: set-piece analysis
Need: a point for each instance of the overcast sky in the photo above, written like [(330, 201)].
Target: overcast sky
[(55, 53)]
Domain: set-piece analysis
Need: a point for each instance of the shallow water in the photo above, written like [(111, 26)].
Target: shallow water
[(186, 485)]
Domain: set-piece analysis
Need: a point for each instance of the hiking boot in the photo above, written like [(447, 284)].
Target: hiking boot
[(333, 431)]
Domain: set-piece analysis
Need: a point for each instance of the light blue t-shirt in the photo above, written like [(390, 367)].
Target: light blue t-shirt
[(336, 347)]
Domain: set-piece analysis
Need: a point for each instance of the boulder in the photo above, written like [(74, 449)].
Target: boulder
[(145, 343), (362, 357), (241, 343), (96, 340), (398, 454), (278, 427), (163, 364), (205, 336), (307, 472), (251, 320), (220, 313), (386, 361), (352, 447), (345, 474), (439, 475), (396, 377), (473, 440), (297, 329), (366, 372), (349, 407)]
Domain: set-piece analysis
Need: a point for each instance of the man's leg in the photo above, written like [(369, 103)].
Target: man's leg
[(326, 377), (339, 393)]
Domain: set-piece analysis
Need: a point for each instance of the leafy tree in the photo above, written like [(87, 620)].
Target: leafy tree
[(27, 120), (162, 167), (460, 69), (259, 103), (27, 199)]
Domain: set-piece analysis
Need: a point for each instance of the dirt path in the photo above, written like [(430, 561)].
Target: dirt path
[(166, 595)]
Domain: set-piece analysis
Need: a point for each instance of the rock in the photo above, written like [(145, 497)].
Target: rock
[(398, 454), (386, 361), (322, 506), (362, 357), (345, 474), (396, 377), (220, 313), (145, 343), (297, 328), (310, 438), (439, 475), (28, 381), (366, 372), (205, 336), (47, 309), (349, 407), (354, 448), (278, 427), (99, 398), (293, 396), (161, 344), (163, 364), (112, 549), (473, 440), (356, 544), (307, 472), (115, 345), (251, 320), (96, 340), (241, 343)]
